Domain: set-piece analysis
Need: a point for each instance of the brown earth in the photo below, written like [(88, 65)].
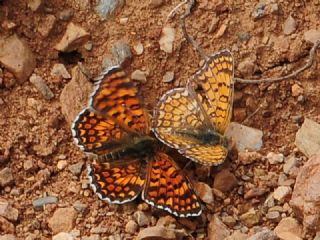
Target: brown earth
[(33, 128)]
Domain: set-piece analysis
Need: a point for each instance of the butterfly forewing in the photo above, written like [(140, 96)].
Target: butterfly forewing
[(217, 86), (167, 188), (117, 182), (116, 96)]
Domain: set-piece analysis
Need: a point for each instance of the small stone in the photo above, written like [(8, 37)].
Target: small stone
[(6, 226), (274, 216), (142, 218), (275, 9), (62, 220), (131, 227), (217, 230), (246, 158), (46, 25), (221, 31), (289, 26), (41, 86), (166, 221), (6, 177), (213, 25), (80, 207), (139, 76), (275, 158), (76, 168), (92, 237), (264, 235), (281, 193), (290, 164), (138, 48), (59, 70), (308, 137), (88, 46), (225, 181), (296, 90), (62, 164), (7, 211), (289, 229), (204, 191), (39, 203), (259, 11), (123, 20), (229, 221), (244, 138), (65, 14), (255, 192), (7, 237), (237, 235), (244, 37), (156, 232), (246, 66), (168, 77), (63, 236), (121, 52), (312, 35), (106, 8), (239, 114), (250, 218), (17, 57), (74, 37), (75, 95), (35, 5), (156, 3), (167, 39)]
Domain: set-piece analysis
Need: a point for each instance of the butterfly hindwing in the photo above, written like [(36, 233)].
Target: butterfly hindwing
[(116, 97), (117, 182), (167, 188)]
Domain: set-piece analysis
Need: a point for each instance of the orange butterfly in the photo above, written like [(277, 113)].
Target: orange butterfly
[(116, 127)]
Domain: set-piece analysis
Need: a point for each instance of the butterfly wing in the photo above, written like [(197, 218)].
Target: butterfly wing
[(176, 113), (116, 97), (167, 188), (216, 80), (96, 134), (117, 182)]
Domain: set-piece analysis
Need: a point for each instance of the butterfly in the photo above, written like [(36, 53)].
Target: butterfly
[(194, 119), (115, 127)]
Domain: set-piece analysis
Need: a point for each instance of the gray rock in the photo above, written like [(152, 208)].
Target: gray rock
[(259, 11), (275, 158), (167, 39), (17, 57), (244, 138), (6, 177), (308, 137), (41, 86), (290, 164), (138, 48), (121, 52), (76, 168), (107, 7), (39, 203), (59, 70), (289, 26), (80, 207)]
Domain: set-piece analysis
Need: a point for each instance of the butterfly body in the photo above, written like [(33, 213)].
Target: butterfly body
[(115, 127), (207, 136)]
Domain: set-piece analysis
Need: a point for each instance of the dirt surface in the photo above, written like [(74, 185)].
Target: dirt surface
[(34, 130)]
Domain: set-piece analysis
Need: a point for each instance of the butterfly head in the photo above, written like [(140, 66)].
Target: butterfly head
[(144, 144)]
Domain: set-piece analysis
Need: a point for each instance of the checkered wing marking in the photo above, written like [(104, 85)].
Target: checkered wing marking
[(175, 113), (217, 82), (95, 134), (117, 182), (206, 154), (117, 97), (166, 188)]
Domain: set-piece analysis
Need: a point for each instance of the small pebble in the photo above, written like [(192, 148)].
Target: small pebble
[(139, 76), (42, 87), (39, 203), (138, 48), (168, 77)]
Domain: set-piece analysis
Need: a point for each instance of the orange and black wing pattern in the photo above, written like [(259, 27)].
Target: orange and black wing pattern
[(168, 189), (216, 79), (117, 182), (96, 134), (116, 97)]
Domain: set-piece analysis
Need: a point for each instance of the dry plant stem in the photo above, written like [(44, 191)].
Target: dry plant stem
[(240, 80), (173, 11), (185, 33), (291, 75)]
